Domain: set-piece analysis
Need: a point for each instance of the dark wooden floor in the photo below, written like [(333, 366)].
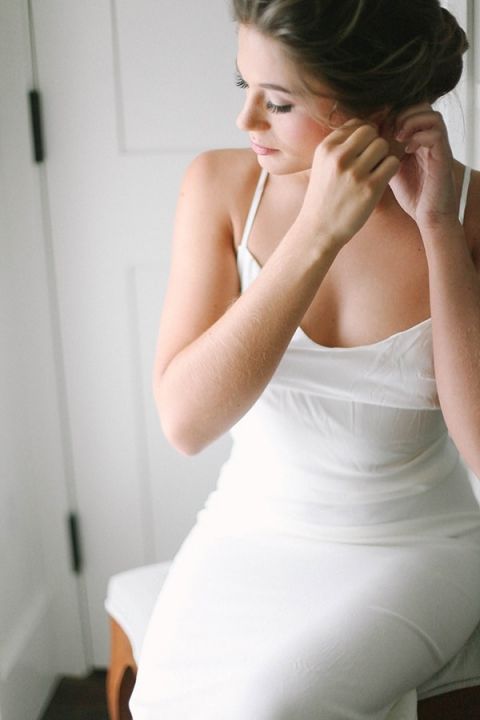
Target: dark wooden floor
[(85, 699), (79, 699)]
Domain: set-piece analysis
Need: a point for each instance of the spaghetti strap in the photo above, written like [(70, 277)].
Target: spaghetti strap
[(463, 198), (254, 207)]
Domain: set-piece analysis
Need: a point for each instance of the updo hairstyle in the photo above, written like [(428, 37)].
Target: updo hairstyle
[(374, 54)]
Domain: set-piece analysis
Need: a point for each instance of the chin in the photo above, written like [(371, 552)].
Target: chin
[(280, 165)]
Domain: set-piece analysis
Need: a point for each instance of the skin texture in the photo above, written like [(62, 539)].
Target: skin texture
[(358, 236)]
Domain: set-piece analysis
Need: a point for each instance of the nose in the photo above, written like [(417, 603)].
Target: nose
[(252, 117)]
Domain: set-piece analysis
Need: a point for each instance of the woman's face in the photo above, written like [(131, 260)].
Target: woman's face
[(278, 115)]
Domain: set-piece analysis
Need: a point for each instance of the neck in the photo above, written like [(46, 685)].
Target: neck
[(386, 204)]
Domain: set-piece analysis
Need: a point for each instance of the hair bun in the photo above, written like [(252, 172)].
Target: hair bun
[(450, 45), (373, 54)]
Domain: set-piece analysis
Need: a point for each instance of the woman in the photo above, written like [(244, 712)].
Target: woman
[(336, 332)]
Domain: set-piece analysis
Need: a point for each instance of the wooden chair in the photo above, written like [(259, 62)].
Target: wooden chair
[(453, 694), (121, 674), (129, 603)]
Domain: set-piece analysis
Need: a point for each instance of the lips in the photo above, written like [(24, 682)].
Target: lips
[(261, 149)]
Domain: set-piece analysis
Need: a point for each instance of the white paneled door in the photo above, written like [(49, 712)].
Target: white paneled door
[(132, 90)]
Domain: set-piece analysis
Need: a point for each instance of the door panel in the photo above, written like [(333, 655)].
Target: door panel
[(175, 75), (120, 99), (40, 630)]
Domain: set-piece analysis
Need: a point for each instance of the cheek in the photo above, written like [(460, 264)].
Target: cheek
[(306, 135)]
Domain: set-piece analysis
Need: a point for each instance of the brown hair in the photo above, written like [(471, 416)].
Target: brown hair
[(374, 54)]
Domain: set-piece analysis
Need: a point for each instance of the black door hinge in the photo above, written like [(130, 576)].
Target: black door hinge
[(36, 125), (75, 545)]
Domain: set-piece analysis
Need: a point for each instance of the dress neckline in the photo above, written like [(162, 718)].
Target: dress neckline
[(367, 346), (243, 247), (340, 348)]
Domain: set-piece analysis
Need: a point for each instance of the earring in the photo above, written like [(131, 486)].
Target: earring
[(329, 119)]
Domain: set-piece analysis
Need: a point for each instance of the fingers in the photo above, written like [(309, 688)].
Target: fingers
[(423, 128), (355, 131), (350, 140), (359, 141), (385, 170), (416, 123), (427, 138), (420, 108), (358, 146), (351, 170), (377, 151)]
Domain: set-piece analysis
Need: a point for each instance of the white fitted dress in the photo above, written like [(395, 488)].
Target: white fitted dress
[(336, 567)]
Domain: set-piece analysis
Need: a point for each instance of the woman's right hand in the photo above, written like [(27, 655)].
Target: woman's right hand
[(351, 169)]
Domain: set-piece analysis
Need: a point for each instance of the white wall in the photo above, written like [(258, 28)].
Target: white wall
[(23, 601), (458, 106), (39, 615), (476, 90)]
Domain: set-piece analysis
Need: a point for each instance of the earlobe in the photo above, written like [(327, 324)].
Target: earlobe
[(332, 112), (384, 120)]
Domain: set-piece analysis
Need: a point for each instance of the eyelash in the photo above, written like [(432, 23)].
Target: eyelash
[(240, 82)]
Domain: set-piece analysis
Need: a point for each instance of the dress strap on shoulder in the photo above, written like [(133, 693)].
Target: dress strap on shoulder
[(254, 207), (463, 197)]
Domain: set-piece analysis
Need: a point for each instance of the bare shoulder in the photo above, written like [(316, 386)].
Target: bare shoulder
[(227, 169), (224, 181), (472, 217), (203, 279), (226, 162)]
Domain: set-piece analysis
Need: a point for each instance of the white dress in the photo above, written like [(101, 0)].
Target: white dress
[(336, 566)]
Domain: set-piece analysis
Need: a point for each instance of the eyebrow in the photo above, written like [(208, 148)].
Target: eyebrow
[(269, 86), (272, 86)]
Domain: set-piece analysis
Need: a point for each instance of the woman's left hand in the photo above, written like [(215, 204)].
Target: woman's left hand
[(424, 184)]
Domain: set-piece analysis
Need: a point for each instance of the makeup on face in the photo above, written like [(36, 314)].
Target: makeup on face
[(285, 122)]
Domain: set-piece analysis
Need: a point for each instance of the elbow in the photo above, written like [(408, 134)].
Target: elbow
[(179, 428), (180, 437)]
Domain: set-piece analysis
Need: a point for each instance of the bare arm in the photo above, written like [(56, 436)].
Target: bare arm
[(455, 306), (425, 188), (216, 353)]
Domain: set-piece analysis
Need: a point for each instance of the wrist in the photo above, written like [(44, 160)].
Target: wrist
[(321, 234), (318, 240), (434, 228), (439, 239), (433, 224)]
